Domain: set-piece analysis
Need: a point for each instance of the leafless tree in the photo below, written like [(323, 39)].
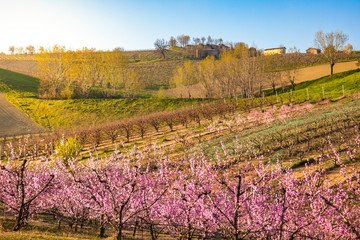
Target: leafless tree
[(173, 42), (12, 49), (196, 41), (30, 49), (291, 65), (20, 50), (161, 46), (348, 48), (331, 44), (209, 40), (183, 40)]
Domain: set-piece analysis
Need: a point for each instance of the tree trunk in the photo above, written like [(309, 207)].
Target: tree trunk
[(135, 228), (119, 233), (102, 226), (19, 220), (59, 223), (332, 68), (17, 225), (152, 232), (120, 226), (102, 231)]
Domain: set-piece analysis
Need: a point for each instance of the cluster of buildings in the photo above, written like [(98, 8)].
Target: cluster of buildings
[(282, 50), (203, 51)]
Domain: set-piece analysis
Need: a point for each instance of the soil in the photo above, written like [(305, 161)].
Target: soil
[(311, 73), (13, 121)]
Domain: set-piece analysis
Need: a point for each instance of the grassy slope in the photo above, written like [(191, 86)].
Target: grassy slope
[(332, 87), (21, 90), (262, 135)]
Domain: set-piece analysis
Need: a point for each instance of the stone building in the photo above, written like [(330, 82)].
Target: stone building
[(272, 51), (210, 50), (313, 50)]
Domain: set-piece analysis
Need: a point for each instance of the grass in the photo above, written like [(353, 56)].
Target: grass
[(18, 84), (35, 235), (262, 135), (22, 91), (333, 87)]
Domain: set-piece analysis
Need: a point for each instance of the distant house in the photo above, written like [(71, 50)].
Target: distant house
[(313, 51), (210, 50), (272, 51)]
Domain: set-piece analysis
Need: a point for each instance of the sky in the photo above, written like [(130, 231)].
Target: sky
[(136, 24)]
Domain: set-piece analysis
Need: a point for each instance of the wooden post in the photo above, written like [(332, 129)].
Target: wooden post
[(323, 92), (307, 91), (343, 90), (277, 99), (263, 97)]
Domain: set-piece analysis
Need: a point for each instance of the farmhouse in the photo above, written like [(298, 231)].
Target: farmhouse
[(210, 50), (313, 51), (272, 51)]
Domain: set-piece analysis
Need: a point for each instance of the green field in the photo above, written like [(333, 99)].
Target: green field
[(22, 91), (333, 88)]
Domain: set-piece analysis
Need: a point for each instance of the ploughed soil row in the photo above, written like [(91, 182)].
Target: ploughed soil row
[(13, 121)]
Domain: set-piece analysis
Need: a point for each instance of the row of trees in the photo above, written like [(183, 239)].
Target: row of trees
[(21, 50), (184, 40), (237, 72), (67, 74), (207, 199), (162, 46)]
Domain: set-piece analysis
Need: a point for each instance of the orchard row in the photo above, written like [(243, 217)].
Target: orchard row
[(207, 199)]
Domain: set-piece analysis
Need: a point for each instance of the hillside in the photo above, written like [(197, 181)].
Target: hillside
[(22, 91), (310, 147), (157, 72)]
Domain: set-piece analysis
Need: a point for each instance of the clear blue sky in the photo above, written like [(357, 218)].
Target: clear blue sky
[(136, 24)]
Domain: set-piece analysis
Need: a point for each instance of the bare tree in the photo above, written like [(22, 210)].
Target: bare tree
[(196, 41), (186, 40), (291, 65), (12, 49), (331, 44), (161, 46), (209, 40), (348, 48), (120, 49), (203, 40), (20, 50), (173, 42), (183, 40), (30, 49)]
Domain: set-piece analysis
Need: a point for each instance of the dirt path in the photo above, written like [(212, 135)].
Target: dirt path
[(13, 121), (311, 73)]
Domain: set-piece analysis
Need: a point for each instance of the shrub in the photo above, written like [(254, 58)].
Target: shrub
[(69, 148)]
